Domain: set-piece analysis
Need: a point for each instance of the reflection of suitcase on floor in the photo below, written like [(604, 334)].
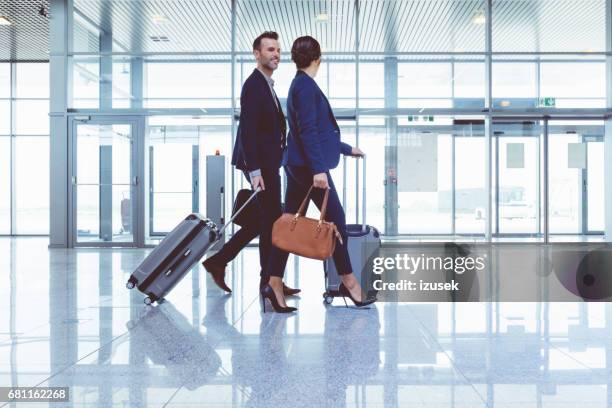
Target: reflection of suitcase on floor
[(178, 252), (166, 338), (363, 242)]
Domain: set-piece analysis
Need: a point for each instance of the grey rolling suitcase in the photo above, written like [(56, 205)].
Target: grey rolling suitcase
[(363, 242), (176, 254)]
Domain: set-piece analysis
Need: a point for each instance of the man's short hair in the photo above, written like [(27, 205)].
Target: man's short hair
[(267, 34)]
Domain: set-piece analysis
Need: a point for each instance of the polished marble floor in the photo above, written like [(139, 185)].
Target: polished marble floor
[(66, 319)]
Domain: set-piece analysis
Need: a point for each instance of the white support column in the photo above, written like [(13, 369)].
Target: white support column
[(59, 36), (488, 123), (13, 150), (233, 103), (608, 129)]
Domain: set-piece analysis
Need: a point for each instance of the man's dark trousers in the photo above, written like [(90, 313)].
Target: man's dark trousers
[(268, 203)]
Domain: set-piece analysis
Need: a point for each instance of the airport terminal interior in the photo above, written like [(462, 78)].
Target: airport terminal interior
[(483, 122)]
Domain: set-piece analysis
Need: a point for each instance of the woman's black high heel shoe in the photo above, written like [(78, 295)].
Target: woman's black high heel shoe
[(344, 292), (268, 292)]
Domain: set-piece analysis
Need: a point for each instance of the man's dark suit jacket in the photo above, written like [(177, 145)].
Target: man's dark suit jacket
[(314, 135), (262, 127)]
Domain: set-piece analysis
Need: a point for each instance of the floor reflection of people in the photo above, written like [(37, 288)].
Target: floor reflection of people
[(169, 340), (259, 363), (352, 350), (274, 369)]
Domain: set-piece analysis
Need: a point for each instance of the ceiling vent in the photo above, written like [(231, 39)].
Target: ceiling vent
[(159, 38)]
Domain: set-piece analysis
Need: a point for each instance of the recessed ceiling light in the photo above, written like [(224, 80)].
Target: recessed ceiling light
[(159, 19), (4, 21), (322, 17), (505, 104), (479, 18)]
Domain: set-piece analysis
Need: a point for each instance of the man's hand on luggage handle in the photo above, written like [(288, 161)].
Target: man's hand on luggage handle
[(320, 180), (357, 152), (257, 181)]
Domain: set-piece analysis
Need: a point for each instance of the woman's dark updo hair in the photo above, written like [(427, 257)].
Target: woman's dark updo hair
[(305, 50)]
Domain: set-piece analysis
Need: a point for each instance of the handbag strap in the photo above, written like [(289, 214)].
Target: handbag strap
[(323, 207)]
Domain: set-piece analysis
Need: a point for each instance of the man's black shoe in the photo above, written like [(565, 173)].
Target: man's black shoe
[(218, 274)]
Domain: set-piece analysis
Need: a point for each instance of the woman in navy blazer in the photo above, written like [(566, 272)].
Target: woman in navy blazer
[(313, 148)]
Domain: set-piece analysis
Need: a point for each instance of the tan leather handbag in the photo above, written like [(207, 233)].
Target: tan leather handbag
[(304, 236)]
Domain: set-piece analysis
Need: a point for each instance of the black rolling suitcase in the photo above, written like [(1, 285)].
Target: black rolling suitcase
[(176, 254)]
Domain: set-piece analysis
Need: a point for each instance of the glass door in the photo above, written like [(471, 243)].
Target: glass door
[(595, 185), (104, 182), (174, 168), (517, 177), (576, 186)]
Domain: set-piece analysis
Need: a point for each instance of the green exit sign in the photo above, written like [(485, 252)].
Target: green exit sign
[(548, 102)]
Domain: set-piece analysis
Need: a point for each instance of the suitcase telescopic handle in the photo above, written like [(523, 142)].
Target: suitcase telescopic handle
[(238, 211), (363, 190), (363, 193)]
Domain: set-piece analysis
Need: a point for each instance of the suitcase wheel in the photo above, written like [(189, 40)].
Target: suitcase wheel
[(147, 301), (131, 283), (327, 298)]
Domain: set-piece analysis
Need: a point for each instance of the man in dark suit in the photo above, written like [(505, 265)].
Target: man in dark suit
[(258, 151)]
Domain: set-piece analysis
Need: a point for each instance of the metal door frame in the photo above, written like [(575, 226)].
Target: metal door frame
[(137, 184)]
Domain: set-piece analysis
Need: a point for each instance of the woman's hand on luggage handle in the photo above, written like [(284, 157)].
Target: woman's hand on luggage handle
[(257, 181), (357, 152), (320, 180)]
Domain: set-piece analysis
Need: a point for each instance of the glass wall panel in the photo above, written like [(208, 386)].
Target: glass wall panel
[(32, 80), (336, 80), (32, 117), (514, 84), (548, 26), (585, 89), (5, 117), (422, 84), (371, 84), (85, 83), (5, 80), (469, 84), (458, 84), (32, 185), (5, 185), (424, 178), (122, 86), (341, 80), (187, 84), (470, 170)]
